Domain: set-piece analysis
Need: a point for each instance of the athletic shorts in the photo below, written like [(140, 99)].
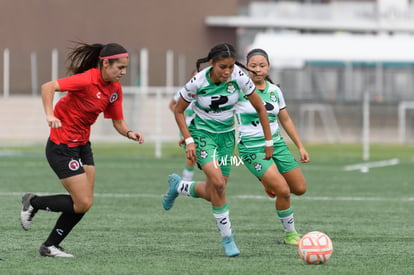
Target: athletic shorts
[(253, 158), (68, 161), (214, 147)]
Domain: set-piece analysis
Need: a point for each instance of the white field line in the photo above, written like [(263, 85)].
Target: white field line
[(372, 164), (242, 197)]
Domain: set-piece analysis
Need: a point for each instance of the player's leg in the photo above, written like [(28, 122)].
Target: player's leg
[(188, 171), (284, 211), (80, 188), (218, 172), (78, 180), (289, 168), (178, 186), (296, 181)]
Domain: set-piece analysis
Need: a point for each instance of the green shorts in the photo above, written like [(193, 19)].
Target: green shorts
[(253, 158), (214, 147)]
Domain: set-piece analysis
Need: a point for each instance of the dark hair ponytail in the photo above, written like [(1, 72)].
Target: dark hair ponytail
[(223, 51), (218, 52), (88, 56)]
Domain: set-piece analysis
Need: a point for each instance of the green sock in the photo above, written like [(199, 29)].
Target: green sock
[(284, 213), (192, 190), (220, 209)]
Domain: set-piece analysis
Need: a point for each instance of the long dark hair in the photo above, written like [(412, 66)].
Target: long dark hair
[(262, 53), (218, 52), (86, 56)]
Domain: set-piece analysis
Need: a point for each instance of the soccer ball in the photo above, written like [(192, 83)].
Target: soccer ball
[(315, 247)]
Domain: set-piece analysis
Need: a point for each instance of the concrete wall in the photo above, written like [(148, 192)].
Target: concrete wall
[(39, 26), (23, 122)]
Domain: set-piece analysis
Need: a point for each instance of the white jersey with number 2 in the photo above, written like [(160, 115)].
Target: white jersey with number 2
[(214, 104)]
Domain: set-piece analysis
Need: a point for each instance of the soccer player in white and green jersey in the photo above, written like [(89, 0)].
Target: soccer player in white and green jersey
[(210, 137), (281, 174)]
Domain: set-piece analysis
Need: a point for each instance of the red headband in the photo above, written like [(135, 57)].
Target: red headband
[(114, 56)]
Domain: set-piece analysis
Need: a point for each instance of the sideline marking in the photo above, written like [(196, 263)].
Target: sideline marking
[(243, 197), (364, 167)]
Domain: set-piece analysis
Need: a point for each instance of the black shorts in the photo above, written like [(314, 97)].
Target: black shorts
[(68, 161)]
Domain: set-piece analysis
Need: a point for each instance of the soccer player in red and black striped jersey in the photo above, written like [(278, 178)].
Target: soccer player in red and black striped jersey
[(92, 88)]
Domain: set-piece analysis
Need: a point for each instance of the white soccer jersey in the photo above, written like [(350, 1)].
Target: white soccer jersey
[(250, 130), (214, 104)]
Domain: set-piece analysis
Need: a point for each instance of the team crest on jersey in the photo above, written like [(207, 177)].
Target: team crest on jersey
[(257, 166), (203, 154), (230, 88), (74, 165), (113, 97), (273, 96)]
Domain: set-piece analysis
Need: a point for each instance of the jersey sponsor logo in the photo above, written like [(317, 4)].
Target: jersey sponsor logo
[(113, 97), (218, 100), (98, 95), (255, 123), (74, 165), (249, 84), (269, 106)]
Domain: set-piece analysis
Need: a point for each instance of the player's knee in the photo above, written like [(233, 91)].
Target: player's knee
[(283, 192), (83, 206), (219, 185), (299, 190)]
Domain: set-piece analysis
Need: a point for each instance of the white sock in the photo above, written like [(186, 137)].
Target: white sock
[(184, 187), (288, 223), (188, 175), (223, 223)]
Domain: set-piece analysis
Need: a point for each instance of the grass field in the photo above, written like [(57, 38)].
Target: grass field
[(369, 216)]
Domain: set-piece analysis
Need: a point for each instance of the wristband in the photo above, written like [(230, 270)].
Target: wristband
[(189, 140), (269, 143), (128, 133)]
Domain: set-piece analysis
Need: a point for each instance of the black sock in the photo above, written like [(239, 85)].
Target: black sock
[(63, 226), (55, 203)]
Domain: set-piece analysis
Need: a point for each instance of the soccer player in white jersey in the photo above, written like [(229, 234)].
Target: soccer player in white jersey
[(281, 174), (210, 137)]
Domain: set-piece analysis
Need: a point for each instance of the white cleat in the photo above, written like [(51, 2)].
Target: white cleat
[(53, 251), (27, 213)]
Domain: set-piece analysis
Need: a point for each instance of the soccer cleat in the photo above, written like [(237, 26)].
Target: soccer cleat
[(53, 251), (172, 194), (292, 238), (229, 246), (27, 213)]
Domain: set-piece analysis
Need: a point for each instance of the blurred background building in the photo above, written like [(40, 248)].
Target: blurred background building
[(327, 55)]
